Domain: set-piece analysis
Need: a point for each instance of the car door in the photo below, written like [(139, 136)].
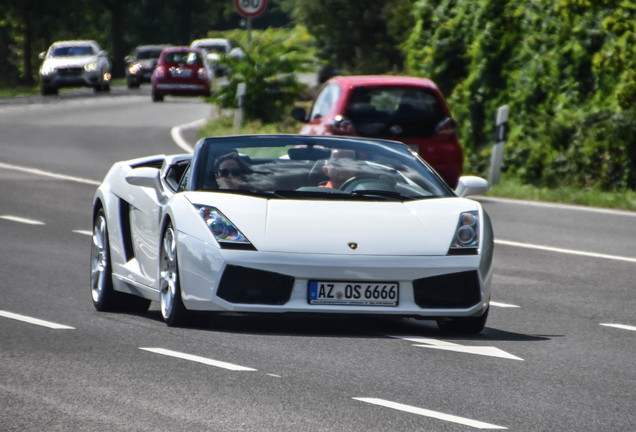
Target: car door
[(144, 217)]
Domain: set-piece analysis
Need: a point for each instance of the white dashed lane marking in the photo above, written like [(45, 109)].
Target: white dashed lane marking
[(489, 351), (21, 220), (198, 359), (620, 326), (429, 413), (35, 321), (503, 305)]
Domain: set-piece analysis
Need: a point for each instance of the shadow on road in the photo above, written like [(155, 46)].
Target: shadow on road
[(340, 327)]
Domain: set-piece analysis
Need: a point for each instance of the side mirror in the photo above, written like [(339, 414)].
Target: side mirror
[(129, 59), (103, 54), (237, 52), (299, 114), (471, 185), (145, 177), (42, 55)]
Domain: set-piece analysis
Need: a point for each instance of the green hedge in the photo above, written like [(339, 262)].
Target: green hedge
[(566, 69)]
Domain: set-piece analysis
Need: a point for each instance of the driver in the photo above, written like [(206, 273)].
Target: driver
[(230, 171), (339, 168)]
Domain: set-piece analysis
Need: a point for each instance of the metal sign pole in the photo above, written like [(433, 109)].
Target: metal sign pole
[(249, 30)]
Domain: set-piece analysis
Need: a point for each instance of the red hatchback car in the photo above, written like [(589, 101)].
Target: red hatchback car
[(181, 71), (407, 109)]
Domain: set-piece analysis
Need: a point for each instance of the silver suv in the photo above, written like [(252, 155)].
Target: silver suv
[(79, 63)]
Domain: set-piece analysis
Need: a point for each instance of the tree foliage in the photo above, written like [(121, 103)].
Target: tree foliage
[(358, 36), (566, 69), (28, 27), (268, 70)]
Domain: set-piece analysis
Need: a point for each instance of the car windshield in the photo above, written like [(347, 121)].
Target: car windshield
[(147, 54), (403, 112), (186, 57), (220, 49), (71, 51), (297, 167)]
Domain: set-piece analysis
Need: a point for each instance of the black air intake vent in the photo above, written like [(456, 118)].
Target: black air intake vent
[(449, 291), (124, 223), (246, 285)]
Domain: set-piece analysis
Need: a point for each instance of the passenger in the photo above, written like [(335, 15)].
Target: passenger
[(339, 168), (230, 171)]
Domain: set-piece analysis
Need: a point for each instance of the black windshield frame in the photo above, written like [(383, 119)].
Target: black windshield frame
[(305, 149)]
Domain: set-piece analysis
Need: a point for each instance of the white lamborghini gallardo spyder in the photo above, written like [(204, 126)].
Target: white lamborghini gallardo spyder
[(292, 223)]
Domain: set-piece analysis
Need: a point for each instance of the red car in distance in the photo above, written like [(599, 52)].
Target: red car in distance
[(181, 71), (407, 109)]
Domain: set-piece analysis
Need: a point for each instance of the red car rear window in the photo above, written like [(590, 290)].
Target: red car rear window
[(183, 57), (394, 111)]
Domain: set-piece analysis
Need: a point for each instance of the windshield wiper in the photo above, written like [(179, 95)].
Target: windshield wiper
[(384, 194)]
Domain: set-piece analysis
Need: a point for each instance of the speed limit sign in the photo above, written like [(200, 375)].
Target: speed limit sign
[(250, 8)]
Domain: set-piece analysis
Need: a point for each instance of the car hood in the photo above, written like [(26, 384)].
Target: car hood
[(424, 227), (74, 61), (147, 63)]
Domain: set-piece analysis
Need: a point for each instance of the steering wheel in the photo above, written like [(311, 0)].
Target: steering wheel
[(355, 181)]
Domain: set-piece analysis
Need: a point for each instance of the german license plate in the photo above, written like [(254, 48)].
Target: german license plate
[(180, 73), (353, 293)]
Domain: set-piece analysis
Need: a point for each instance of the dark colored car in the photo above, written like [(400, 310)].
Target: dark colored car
[(407, 109), (182, 71), (141, 63)]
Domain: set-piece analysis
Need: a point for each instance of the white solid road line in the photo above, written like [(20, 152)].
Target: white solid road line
[(565, 251), (429, 413), (558, 206), (21, 220), (35, 321), (177, 137), (198, 359), (43, 173), (620, 326)]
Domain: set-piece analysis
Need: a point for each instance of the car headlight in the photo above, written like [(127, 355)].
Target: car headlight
[(466, 238), (91, 67), (134, 68), (47, 70), (223, 230)]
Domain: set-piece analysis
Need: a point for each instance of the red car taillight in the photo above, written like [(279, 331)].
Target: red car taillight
[(447, 127), (160, 71), (342, 126)]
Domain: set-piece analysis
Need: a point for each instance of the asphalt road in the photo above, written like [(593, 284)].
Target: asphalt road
[(558, 353)]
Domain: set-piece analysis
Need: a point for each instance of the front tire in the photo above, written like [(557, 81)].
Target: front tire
[(105, 298), (463, 325), (173, 311), (156, 96), (46, 91)]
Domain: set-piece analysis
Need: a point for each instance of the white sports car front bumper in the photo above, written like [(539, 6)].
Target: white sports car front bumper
[(214, 279)]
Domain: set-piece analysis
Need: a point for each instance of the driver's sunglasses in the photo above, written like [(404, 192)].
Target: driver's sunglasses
[(225, 172)]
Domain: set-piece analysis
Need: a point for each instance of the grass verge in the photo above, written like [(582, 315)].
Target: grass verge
[(513, 188), (6, 92)]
